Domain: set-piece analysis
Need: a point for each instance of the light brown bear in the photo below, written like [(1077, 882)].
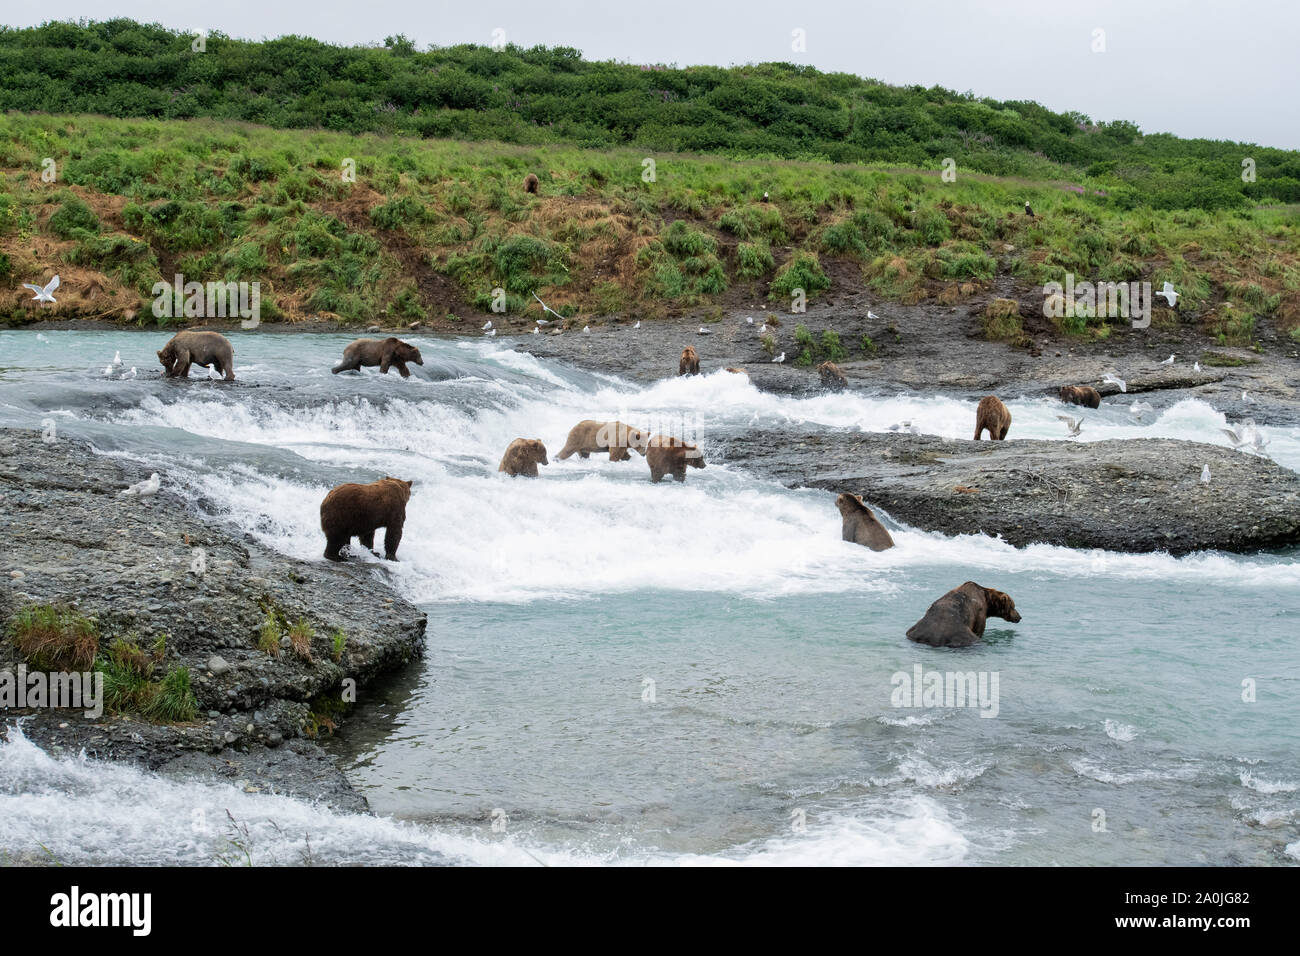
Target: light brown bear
[(994, 416), (690, 362), (354, 510), (386, 353), (523, 456), (209, 349), (737, 371), (531, 183), (593, 436), (832, 376), (957, 619), (1080, 395), (671, 456), (860, 525)]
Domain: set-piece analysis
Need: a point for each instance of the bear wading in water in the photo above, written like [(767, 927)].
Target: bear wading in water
[(957, 619), (671, 456), (1080, 395), (690, 362), (386, 353), (522, 457), (209, 349), (994, 416), (593, 436), (860, 524), (356, 511), (832, 376)]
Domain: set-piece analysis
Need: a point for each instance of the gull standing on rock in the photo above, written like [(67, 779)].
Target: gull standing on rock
[(1205, 475), (1168, 361), (779, 358), (145, 488)]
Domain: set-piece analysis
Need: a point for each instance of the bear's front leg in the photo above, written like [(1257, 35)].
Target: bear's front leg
[(392, 538), (402, 370)]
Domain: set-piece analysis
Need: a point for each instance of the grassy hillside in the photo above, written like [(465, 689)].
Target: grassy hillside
[(552, 96), (429, 228)]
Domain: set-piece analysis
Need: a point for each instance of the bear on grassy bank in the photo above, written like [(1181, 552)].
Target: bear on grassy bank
[(531, 183), (209, 349), (690, 362), (593, 436), (1084, 395), (671, 456), (957, 619), (522, 457), (357, 511), (386, 353), (860, 524), (994, 416)]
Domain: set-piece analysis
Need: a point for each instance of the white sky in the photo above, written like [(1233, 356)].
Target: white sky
[(1220, 70)]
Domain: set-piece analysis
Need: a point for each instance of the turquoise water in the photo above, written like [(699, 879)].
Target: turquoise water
[(635, 673)]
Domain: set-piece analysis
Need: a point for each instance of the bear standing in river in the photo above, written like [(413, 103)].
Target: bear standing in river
[(589, 436), (994, 416), (671, 456), (522, 457), (385, 353), (1084, 395), (354, 510), (690, 362), (209, 349), (860, 524), (957, 619)]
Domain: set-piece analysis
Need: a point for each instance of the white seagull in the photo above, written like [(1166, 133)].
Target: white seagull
[(1170, 295), (1247, 399), (1114, 379), (749, 319), (542, 321), (45, 294), (488, 325), (535, 330), (779, 358), (586, 329), (490, 332), (763, 330), (638, 324), (145, 488), (1074, 425), (547, 308), (1168, 361), (704, 331), (872, 315), (1205, 475), (117, 359), (131, 374)]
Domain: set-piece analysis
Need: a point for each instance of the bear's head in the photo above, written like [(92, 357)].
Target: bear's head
[(635, 439), (694, 457), (1066, 393), (1000, 605), (535, 450), (167, 355), (852, 504), (402, 486), (405, 352)]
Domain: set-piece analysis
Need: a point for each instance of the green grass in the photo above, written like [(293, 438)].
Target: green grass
[(54, 638)]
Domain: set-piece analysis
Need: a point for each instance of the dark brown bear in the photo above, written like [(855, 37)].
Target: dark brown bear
[(831, 375), (531, 183), (957, 619), (671, 456), (209, 349), (994, 416), (593, 436), (523, 456), (690, 363), (385, 353), (860, 525), (354, 510), (1081, 395)]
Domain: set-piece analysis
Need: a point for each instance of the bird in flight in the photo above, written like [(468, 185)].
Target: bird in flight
[(45, 294)]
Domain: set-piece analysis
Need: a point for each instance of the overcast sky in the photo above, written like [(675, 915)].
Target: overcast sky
[(1220, 70)]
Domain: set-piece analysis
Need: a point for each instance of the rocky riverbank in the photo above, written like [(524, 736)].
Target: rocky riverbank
[(129, 564)]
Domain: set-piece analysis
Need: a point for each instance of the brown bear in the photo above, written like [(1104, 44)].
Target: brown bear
[(994, 416), (209, 349), (385, 353), (737, 371), (671, 456), (690, 363), (1080, 395), (589, 436), (957, 619), (522, 457), (831, 375), (531, 182), (860, 525), (354, 510)]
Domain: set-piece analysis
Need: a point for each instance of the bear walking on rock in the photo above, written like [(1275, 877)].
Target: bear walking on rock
[(522, 457), (671, 456), (386, 353), (194, 347), (593, 436), (957, 619), (357, 511), (994, 416), (1084, 395), (860, 524), (690, 363)]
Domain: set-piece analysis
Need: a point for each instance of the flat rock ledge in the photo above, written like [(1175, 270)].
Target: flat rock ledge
[(71, 537), (1139, 495)]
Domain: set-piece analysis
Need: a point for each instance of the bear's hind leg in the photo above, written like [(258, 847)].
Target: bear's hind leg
[(368, 541), (392, 538)]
